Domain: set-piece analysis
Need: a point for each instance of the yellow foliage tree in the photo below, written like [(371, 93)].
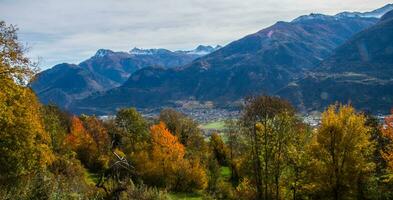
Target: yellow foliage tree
[(387, 131), (341, 154), (24, 144)]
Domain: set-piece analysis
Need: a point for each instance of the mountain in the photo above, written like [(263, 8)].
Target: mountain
[(107, 69), (66, 82), (360, 71), (202, 50), (118, 66), (265, 61), (378, 13)]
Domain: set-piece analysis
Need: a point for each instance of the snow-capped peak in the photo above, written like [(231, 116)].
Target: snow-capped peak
[(378, 13), (312, 16), (203, 50), (138, 51), (102, 52)]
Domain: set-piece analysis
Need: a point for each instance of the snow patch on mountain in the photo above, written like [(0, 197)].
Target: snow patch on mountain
[(202, 50), (378, 13), (102, 52), (138, 51), (312, 16)]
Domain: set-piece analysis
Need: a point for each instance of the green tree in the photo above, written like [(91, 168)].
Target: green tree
[(133, 130), (268, 125), (235, 147), (297, 160), (383, 187), (219, 149), (56, 123)]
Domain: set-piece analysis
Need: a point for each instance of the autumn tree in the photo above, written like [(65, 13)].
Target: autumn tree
[(166, 154), (24, 143), (166, 165), (267, 124), (341, 154), (297, 160), (165, 144), (219, 149), (387, 131), (186, 130), (383, 189), (102, 140), (14, 65), (80, 141)]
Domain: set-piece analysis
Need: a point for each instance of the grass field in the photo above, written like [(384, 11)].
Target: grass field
[(225, 173), (217, 125)]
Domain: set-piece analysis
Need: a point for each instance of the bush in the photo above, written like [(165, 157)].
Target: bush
[(223, 190), (189, 176), (245, 190), (142, 192)]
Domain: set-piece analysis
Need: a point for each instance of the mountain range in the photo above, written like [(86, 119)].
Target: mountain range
[(297, 60), (65, 83)]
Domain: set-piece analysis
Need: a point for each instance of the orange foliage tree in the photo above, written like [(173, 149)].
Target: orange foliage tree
[(80, 141), (166, 165), (98, 132), (165, 143)]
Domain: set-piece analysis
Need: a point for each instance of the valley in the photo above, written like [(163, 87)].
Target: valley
[(290, 105)]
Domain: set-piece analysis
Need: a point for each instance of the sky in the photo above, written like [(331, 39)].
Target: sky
[(57, 31)]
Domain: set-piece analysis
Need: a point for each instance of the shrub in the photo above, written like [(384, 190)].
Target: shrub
[(142, 192)]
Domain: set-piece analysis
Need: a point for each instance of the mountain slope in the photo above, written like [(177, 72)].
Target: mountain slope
[(66, 82), (360, 72), (107, 69), (262, 62)]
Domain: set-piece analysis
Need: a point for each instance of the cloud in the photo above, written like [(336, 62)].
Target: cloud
[(72, 30)]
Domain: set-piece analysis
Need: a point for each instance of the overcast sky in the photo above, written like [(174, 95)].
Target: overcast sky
[(72, 30)]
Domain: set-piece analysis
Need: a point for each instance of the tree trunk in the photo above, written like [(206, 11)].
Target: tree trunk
[(257, 165)]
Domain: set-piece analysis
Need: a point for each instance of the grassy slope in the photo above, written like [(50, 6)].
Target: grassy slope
[(217, 125)]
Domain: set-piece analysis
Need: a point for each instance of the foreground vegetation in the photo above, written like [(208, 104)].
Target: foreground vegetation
[(268, 153)]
